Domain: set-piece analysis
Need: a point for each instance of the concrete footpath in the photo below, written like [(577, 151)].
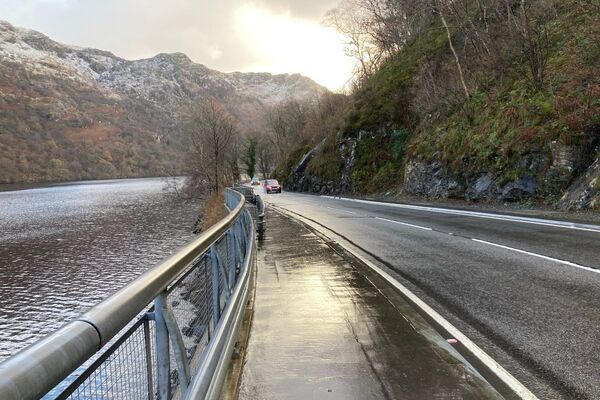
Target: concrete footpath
[(327, 328)]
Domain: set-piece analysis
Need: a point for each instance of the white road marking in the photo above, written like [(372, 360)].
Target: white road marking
[(492, 365), (404, 223), (342, 210), (511, 218), (569, 263)]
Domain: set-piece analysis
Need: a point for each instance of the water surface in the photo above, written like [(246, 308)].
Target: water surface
[(66, 247)]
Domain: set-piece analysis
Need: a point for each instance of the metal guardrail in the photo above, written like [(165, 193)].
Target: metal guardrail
[(259, 212), (167, 334)]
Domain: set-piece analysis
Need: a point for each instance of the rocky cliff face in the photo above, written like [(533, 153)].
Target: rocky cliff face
[(72, 113), (567, 176)]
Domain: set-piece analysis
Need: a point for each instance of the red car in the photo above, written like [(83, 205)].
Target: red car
[(272, 186)]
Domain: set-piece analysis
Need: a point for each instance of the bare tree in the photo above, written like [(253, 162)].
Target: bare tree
[(265, 157), (439, 7), (233, 158), (377, 29), (351, 20), (211, 136), (392, 23), (535, 43), (286, 122), (250, 157)]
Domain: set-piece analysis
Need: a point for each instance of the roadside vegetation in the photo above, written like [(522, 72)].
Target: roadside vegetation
[(212, 211), (462, 88)]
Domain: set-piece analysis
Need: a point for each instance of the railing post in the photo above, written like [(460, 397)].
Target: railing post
[(260, 218), (148, 348), (183, 367), (243, 241), (163, 362), (232, 255), (214, 275)]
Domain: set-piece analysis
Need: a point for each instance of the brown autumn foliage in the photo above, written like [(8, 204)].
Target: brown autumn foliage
[(212, 211)]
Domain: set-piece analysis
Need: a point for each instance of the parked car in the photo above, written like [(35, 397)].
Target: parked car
[(255, 181), (272, 186)]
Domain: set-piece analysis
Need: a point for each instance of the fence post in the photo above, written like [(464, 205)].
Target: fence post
[(214, 275), (243, 242), (243, 238), (163, 362), (183, 367), (260, 218), (148, 348), (232, 255)]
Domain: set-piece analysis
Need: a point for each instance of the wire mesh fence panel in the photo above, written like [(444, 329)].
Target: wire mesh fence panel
[(220, 248), (124, 371), (190, 301)]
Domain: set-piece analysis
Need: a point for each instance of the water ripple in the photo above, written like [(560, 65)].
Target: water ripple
[(66, 247)]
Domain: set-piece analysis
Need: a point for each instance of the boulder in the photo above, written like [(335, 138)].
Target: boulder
[(481, 189), (432, 180), (519, 190)]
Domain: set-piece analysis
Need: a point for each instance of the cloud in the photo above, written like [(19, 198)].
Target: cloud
[(207, 31), (281, 43), (308, 9)]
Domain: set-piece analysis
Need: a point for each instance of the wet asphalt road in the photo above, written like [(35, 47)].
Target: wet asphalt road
[(536, 311)]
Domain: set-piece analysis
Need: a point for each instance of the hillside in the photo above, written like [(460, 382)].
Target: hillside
[(522, 123), (75, 113)]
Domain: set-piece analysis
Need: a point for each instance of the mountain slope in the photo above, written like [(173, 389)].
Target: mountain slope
[(76, 113), (410, 128)]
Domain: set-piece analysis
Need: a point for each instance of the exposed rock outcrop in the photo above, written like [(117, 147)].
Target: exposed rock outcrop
[(568, 173), (297, 181), (584, 192), (563, 171)]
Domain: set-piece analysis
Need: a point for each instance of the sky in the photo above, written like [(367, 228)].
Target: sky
[(277, 36)]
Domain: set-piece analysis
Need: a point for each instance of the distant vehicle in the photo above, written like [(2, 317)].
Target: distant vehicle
[(255, 181), (272, 186)]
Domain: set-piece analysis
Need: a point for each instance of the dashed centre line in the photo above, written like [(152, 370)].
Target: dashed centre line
[(404, 223), (342, 210), (569, 263), (557, 260)]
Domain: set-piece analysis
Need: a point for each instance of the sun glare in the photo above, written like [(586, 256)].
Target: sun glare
[(285, 44)]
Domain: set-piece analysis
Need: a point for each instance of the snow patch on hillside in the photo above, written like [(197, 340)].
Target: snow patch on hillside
[(168, 81)]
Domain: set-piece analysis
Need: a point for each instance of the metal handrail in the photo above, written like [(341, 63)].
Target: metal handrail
[(34, 371)]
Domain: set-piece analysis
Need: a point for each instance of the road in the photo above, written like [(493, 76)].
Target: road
[(527, 292)]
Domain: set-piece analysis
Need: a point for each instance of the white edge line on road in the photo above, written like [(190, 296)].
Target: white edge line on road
[(342, 210), (569, 263), (404, 223), (510, 381), (512, 218)]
